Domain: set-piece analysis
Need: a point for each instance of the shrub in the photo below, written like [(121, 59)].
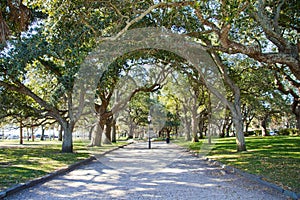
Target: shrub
[(249, 133), (289, 131), (258, 132)]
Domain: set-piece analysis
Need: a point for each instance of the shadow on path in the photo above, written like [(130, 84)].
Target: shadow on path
[(135, 172)]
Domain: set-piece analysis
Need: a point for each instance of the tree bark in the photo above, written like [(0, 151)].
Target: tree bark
[(240, 139), (238, 122), (67, 145), (298, 122), (247, 124), (201, 128), (187, 124), (296, 112), (194, 121), (187, 129), (60, 134), (263, 125), (32, 134), (90, 132), (114, 131), (228, 129), (131, 130), (4, 30), (28, 134), (43, 133), (97, 135), (194, 130), (21, 132), (107, 139), (235, 106)]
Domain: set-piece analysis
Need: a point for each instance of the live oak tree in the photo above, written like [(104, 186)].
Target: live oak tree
[(190, 100), (16, 112), (51, 52), (258, 29), (288, 85), (264, 31), (171, 125), (16, 69), (258, 90), (125, 77)]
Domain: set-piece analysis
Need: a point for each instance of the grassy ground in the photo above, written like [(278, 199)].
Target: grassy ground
[(276, 158), (20, 163)]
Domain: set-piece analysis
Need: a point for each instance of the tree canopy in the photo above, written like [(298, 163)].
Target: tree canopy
[(46, 42)]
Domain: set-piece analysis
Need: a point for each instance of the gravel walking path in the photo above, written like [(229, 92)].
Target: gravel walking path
[(135, 172)]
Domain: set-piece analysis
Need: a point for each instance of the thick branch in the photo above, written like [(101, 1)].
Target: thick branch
[(142, 15), (26, 91), (273, 36)]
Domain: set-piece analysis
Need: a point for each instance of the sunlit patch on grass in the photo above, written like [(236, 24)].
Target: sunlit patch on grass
[(276, 158), (21, 163)]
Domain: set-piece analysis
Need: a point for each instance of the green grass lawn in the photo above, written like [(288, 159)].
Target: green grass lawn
[(277, 158), (20, 163)]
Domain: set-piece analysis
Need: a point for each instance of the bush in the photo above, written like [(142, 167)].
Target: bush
[(258, 132), (249, 133), (289, 131)]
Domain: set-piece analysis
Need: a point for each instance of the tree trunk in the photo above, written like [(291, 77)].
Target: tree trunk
[(263, 125), (247, 127), (21, 132), (187, 129), (60, 134), (298, 122), (107, 139), (238, 122), (176, 132), (90, 132), (131, 130), (43, 133), (187, 133), (114, 131), (32, 134), (108, 125), (28, 134), (223, 131), (227, 123), (97, 135), (240, 139), (228, 128), (296, 111), (234, 107), (187, 124), (168, 133), (67, 145), (194, 126), (201, 128)]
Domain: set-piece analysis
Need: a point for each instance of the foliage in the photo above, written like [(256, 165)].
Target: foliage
[(18, 109), (14, 18), (251, 133), (139, 108), (71, 29), (289, 131)]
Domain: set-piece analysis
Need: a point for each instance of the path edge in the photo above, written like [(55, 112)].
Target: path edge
[(253, 177)]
